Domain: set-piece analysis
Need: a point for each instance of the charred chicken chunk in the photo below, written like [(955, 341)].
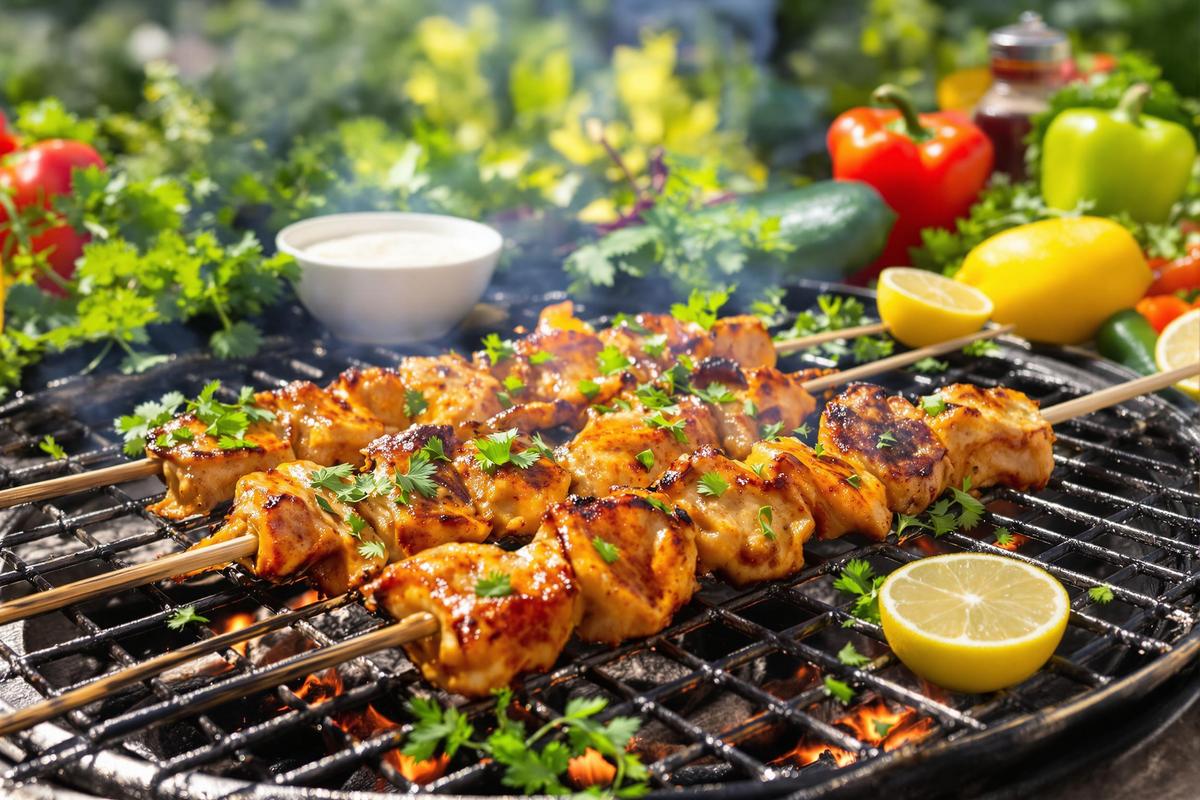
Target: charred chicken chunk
[(321, 427), (378, 390), (452, 389), (296, 534), (889, 438), (634, 558), (199, 473), (419, 499), (995, 437), (512, 495), (751, 403), (605, 453), (500, 613), (653, 342), (747, 528), (841, 498), (743, 339)]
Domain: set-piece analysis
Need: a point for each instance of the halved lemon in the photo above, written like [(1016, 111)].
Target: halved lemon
[(921, 308), (973, 622), (1179, 346)]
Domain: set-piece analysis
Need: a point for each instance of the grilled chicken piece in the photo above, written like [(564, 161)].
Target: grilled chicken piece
[(199, 474), (995, 437), (762, 399), (653, 342), (378, 390), (604, 453), (454, 390), (889, 438), (320, 426), (484, 641), (748, 529), (510, 498), (295, 534), (650, 568), (744, 339), (826, 484), (435, 507)]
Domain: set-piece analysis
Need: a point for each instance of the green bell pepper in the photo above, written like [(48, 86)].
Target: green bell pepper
[(1118, 160), (1127, 338)]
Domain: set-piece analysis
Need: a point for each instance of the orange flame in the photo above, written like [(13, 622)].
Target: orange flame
[(235, 622), (304, 599), (1015, 540), (874, 724)]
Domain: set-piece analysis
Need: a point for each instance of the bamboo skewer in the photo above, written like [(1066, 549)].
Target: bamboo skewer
[(127, 578), (144, 467), (52, 707), (246, 546), (420, 625)]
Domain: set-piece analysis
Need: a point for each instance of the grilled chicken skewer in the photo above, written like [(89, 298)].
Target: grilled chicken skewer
[(550, 365), (422, 633)]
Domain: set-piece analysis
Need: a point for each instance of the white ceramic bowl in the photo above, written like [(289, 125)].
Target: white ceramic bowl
[(381, 304)]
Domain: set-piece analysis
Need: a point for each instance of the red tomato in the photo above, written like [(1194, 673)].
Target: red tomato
[(33, 177), (8, 140), (1182, 274), (1160, 310)]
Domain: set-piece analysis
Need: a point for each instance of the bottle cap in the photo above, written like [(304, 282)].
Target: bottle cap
[(1031, 40)]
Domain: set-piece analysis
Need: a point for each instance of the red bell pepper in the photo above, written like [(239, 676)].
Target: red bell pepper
[(1182, 274), (8, 140), (1161, 310), (928, 167)]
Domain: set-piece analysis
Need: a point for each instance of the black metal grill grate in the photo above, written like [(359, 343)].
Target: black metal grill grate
[(729, 693)]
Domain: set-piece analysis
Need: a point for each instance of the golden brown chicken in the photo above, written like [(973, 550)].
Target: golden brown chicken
[(744, 339), (634, 558), (420, 500), (606, 452), (653, 342), (751, 403), (747, 529), (511, 497), (297, 535), (378, 390), (320, 426), (451, 389), (500, 613), (199, 473), (842, 499), (888, 437), (995, 437)]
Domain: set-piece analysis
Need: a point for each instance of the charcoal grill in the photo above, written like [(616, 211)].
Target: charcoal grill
[(731, 694)]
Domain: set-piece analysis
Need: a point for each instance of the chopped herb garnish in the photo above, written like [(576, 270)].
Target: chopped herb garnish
[(972, 509), (513, 384), (929, 366), (645, 458), (850, 656), (52, 448), (839, 690), (418, 478), (905, 521), (854, 480), (676, 428), (886, 439), (765, 517), (1003, 537), (504, 400), (818, 449), (757, 469), (858, 579), (326, 507), (494, 451), (1102, 594), (225, 422), (538, 445), (136, 427), (770, 432), (332, 478), (495, 584), (357, 524), (183, 617), (655, 346), (540, 357), (414, 403), (372, 550), (712, 484), (611, 360), (749, 409), (714, 393), (630, 322), (981, 347), (653, 397), (608, 551), (497, 349), (435, 449), (659, 504), (588, 388), (802, 432), (881, 728), (701, 307), (933, 404)]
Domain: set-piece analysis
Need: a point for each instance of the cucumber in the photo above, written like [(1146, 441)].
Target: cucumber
[(836, 228)]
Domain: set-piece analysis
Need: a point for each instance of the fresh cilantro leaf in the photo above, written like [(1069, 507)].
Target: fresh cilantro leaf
[(701, 307), (357, 524), (757, 469), (588, 388), (435, 728), (803, 432), (608, 551), (1003, 537), (414, 403), (149, 415), (881, 728), (52, 448), (326, 507), (495, 584), (770, 308), (495, 450), (240, 340), (769, 432), (418, 478), (981, 347), (712, 484), (372, 550), (646, 458), (332, 478), (183, 617), (905, 521), (677, 428), (654, 346), (1102, 594), (858, 579), (505, 400), (929, 366), (872, 348), (621, 319), (972, 509), (434, 449), (850, 656), (854, 480), (497, 349), (538, 445), (933, 404), (610, 360), (513, 384), (653, 397), (714, 393), (839, 690), (749, 409), (540, 357), (818, 449), (765, 517), (886, 439), (658, 505)]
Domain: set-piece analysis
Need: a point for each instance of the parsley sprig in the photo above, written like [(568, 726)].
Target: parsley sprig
[(228, 423), (834, 313), (496, 450), (942, 517), (183, 617), (677, 428), (859, 580)]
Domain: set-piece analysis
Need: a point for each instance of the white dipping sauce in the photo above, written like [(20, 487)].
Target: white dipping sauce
[(393, 249)]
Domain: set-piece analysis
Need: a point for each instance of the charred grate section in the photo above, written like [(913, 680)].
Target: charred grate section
[(733, 691)]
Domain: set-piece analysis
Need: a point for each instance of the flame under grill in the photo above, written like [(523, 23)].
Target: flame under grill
[(732, 692)]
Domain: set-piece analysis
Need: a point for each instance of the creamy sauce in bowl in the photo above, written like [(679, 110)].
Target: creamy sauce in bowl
[(394, 249)]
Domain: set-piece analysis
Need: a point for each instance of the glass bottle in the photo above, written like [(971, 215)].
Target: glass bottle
[(1028, 63)]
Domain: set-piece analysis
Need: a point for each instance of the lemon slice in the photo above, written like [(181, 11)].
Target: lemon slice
[(972, 622), (921, 308), (1178, 346)]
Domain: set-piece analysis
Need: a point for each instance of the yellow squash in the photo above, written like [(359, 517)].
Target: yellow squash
[(1058, 279)]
